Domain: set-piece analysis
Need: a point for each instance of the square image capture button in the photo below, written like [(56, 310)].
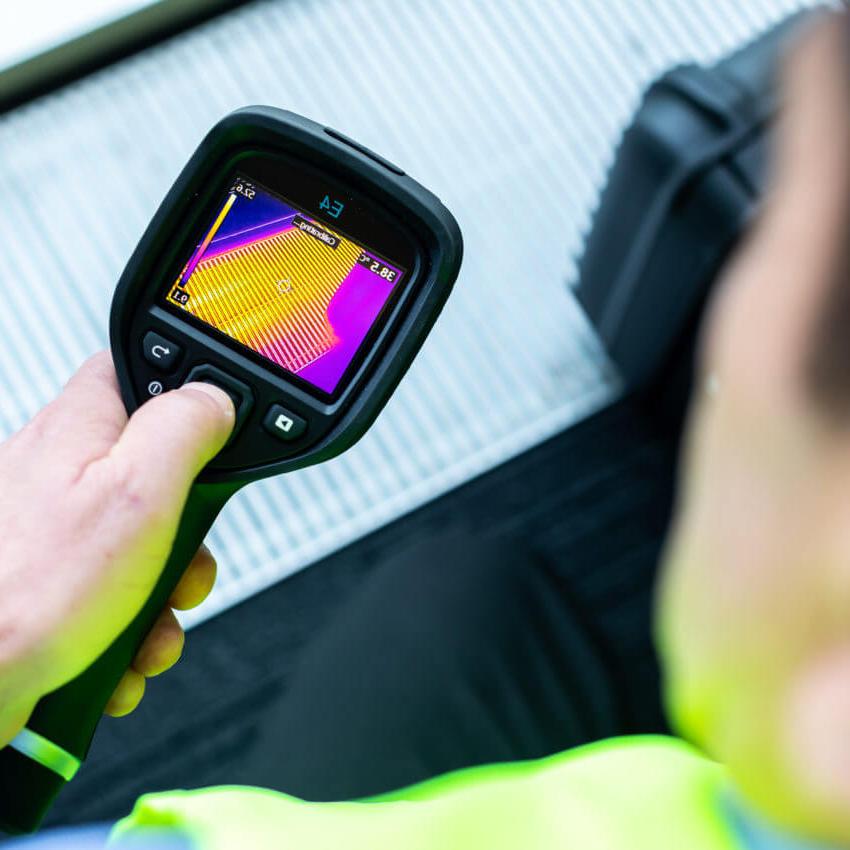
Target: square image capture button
[(284, 424), (160, 352)]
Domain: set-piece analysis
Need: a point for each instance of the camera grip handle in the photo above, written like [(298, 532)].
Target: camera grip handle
[(38, 762)]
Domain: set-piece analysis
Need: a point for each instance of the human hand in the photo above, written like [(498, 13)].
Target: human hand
[(89, 507), (163, 645), (754, 623)]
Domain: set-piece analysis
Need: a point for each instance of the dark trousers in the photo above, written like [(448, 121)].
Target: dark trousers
[(455, 653)]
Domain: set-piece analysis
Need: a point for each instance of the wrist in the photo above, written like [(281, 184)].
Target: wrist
[(23, 668), (13, 718), (21, 685)]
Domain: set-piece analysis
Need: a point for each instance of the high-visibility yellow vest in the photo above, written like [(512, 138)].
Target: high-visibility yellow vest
[(643, 793)]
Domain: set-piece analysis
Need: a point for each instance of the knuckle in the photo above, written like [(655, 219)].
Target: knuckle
[(100, 361), (99, 365), (127, 485), (38, 435), (132, 492), (36, 430)]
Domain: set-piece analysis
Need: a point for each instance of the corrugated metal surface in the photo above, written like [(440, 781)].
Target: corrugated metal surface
[(508, 110)]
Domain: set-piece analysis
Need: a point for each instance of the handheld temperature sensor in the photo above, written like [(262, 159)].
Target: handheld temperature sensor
[(299, 272)]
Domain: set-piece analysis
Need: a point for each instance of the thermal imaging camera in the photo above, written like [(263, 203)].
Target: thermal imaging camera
[(299, 272)]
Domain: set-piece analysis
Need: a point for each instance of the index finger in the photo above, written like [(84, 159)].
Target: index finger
[(86, 419)]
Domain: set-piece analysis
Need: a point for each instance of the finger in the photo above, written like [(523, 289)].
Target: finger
[(811, 155), (127, 695), (93, 389), (169, 439), (822, 78), (807, 219), (776, 293), (196, 583), (162, 647), (88, 416)]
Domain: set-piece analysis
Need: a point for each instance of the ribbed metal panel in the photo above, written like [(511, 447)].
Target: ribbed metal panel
[(508, 109)]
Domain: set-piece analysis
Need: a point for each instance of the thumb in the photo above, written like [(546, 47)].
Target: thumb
[(170, 438)]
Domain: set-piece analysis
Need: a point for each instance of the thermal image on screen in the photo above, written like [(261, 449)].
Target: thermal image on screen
[(274, 279)]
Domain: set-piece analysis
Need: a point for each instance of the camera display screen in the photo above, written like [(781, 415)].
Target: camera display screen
[(292, 289)]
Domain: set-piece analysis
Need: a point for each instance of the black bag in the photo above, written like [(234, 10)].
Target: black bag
[(685, 183)]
